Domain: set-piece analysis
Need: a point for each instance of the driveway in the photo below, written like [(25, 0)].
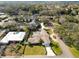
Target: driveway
[(49, 51)]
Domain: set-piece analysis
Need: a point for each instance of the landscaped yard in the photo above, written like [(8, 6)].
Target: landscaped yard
[(74, 51), (10, 50), (49, 31), (56, 48), (21, 49), (34, 50)]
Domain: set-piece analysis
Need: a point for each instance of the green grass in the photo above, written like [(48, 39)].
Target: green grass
[(74, 51), (49, 31), (34, 50), (56, 48)]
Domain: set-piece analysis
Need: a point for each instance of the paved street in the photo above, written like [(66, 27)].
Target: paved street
[(65, 51)]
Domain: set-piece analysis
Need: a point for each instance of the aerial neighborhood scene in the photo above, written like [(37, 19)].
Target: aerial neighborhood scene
[(44, 28)]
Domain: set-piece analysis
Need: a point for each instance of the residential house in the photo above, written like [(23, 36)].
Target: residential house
[(39, 37), (12, 37)]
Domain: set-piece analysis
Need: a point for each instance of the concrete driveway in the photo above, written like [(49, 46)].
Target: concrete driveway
[(49, 51)]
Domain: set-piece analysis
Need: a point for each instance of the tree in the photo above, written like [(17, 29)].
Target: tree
[(11, 10), (74, 12), (34, 25)]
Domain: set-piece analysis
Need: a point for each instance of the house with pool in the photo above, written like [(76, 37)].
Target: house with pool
[(13, 37)]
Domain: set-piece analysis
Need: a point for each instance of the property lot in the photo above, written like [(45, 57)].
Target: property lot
[(21, 50), (35, 50)]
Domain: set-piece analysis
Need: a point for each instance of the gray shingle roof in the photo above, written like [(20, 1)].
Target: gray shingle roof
[(39, 35)]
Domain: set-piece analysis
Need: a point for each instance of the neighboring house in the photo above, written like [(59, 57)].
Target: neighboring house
[(12, 37), (39, 36), (3, 16), (2, 13), (21, 28), (7, 23)]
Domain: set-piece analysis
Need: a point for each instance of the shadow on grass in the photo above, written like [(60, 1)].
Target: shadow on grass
[(39, 44)]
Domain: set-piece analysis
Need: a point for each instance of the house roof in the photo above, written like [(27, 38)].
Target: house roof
[(34, 40), (45, 36), (13, 36), (8, 23), (3, 16), (39, 35)]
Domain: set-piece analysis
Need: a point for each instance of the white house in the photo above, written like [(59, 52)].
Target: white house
[(13, 36)]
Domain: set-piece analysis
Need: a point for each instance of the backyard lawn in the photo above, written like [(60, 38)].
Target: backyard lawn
[(34, 50), (74, 51)]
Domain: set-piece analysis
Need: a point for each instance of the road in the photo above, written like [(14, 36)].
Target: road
[(65, 50)]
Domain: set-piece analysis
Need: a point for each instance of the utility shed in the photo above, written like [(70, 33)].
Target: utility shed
[(13, 36)]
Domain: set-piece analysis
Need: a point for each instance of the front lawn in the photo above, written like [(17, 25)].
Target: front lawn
[(74, 51), (56, 48), (34, 50)]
